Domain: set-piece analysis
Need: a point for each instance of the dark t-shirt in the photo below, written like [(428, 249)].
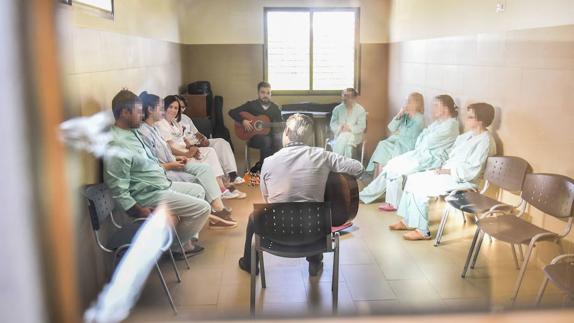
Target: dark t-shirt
[(254, 107)]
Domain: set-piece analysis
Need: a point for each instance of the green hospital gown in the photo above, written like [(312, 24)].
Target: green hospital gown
[(344, 142), (431, 150), (134, 175), (466, 162), (404, 133)]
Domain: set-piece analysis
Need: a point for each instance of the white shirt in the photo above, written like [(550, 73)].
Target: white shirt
[(299, 173)]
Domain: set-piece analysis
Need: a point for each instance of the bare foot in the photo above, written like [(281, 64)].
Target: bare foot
[(415, 235), (398, 226)]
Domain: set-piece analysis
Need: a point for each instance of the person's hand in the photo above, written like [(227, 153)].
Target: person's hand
[(247, 125), (441, 171), (193, 152), (402, 111), (137, 211), (203, 141), (345, 128), (175, 166), (181, 159), (187, 142)]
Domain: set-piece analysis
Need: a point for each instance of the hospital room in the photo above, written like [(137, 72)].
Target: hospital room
[(287, 160)]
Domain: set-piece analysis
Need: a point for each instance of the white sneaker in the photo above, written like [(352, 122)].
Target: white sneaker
[(236, 194), (238, 180)]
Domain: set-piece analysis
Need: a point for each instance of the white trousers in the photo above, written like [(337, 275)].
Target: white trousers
[(224, 154), (209, 157)]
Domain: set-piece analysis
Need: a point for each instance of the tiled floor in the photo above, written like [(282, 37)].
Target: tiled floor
[(380, 273)]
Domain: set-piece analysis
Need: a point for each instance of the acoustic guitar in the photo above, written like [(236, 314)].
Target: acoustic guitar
[(262, 125), (342, 192)]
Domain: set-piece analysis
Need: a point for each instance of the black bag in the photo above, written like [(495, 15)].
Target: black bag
[(202, 87), (219, 129)]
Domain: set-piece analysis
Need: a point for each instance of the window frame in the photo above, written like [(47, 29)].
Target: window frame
[(92, 9), (312, 10)]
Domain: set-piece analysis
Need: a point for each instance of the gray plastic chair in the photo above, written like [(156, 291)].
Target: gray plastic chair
[(560, 271), (101, 206), (293, 230), (506, 172), (550, 193)]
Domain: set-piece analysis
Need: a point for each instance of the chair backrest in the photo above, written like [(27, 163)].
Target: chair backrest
[(506, 172), (292, 224), (550, 193), (100, 203)]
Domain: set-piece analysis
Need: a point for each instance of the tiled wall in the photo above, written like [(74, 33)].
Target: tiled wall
[(527, 75), (97, 64)]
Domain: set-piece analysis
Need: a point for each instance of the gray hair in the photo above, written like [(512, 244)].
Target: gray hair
[(300, 128)]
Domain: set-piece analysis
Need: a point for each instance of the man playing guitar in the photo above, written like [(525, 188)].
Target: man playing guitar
[(267, 144), (298, 173)]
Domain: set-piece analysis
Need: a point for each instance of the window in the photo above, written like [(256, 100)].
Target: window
[(102, 7), (311, 50)]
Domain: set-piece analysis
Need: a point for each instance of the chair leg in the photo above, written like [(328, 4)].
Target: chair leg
[(363, 153), (253, 270), (520, 252), (470, 252), (541, 291), (477, 249), (171, 303), (522, 272), (463, 216), (181, 247), (560, 246), (442, 225), (247, 161), (514, 256), (335, 282), (262, 270), (174, 266)]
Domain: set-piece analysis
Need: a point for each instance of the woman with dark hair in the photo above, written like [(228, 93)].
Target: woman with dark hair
[(464, 166), (430, 152), (173, 133), (177, 168), (405, 128)]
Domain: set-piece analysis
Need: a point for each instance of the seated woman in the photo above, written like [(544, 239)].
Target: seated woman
[(173, 133), (405, 128), (430, 152), (465, 164), (348, 122), (178, 168), (221, 146)]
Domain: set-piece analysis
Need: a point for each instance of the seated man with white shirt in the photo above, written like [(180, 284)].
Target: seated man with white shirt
[(303, 170)]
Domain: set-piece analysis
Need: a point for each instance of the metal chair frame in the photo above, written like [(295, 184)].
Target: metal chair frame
[(546, 279), (331, 244), (452, 196), (544, 236), (120, 249)]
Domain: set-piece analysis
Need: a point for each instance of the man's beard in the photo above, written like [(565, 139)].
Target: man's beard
[(265, 101)]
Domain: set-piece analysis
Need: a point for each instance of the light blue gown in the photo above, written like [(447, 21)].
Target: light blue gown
[(404, 133), (466, 162), (344, 142), (431, 150), (199, 173)]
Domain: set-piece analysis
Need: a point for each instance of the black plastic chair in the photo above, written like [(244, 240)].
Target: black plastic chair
[(293, 230), (101, 206)]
